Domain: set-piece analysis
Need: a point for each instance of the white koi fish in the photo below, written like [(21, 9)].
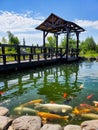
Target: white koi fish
[(54, 107)]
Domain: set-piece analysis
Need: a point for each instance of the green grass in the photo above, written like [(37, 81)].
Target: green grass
[(89, 54)]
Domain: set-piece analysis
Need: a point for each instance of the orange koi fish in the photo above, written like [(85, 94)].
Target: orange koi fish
[(65, 95), (1, 92), (52, 102), (84, 105), (90, 96), (45, 115), (32, 102)]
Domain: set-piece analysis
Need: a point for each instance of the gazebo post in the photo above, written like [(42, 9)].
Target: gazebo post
[(44, 36), (56, 36), (77, 35), (67, 43)]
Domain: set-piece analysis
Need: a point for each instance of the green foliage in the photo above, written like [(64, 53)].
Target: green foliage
[(88, 44), (63, 42), (4, 41), (72, 42), (13, 40), (51, 41)]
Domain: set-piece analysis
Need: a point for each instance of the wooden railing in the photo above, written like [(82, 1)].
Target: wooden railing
[(20, 53)]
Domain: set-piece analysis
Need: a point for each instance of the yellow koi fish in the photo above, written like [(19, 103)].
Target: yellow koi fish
[(24, 109), (90, 115), (32, 102), (79, 111), (45, 115)]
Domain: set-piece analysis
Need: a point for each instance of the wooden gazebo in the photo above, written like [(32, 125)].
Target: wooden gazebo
[(56, 25)]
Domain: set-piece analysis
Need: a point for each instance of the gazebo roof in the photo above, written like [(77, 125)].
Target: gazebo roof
[(55, 24)]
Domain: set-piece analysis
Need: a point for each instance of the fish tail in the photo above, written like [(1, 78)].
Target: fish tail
[(66, 117)]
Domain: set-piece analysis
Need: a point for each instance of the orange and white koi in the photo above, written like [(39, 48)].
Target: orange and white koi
[(95, 103)]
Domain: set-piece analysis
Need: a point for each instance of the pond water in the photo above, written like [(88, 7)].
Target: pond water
[(50, 84)]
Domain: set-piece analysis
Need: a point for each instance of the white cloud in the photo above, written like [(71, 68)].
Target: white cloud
[(87, 23), (20, 24), (35, 38), (23, 26)]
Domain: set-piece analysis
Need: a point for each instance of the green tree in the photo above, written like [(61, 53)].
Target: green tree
[(72, 42), (13, 40), (4, 40), (63, 42), (88, 45), (51, 41)]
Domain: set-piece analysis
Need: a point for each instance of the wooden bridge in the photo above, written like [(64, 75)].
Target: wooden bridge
[(14, 57)]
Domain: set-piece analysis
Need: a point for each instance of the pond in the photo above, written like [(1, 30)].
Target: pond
[(60, 84)]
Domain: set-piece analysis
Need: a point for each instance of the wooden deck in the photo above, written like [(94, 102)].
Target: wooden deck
[(14, 66)]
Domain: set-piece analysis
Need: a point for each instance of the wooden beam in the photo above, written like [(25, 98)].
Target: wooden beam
[(67, 43)]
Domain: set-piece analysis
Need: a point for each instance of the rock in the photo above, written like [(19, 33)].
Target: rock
[(5, 122), (27, 123), (72, 127), (90, 125), (3, 111), (51, 127), (10, 128)]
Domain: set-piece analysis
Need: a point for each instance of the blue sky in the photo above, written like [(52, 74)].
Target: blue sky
[(21, 17)]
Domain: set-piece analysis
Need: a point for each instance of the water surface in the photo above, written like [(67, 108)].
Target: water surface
[(50, 84)]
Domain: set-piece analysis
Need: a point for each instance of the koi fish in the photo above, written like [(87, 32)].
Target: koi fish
[(25, 109), (84, 105), (81, 86), (80, 111), (32, 102), (1, 92), (95, 103), (65, 95), (45, 115), (90, 115), (90, 96), (52, 102), (54, 107)]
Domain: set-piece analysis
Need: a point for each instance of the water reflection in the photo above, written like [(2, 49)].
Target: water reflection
[(50, 83)]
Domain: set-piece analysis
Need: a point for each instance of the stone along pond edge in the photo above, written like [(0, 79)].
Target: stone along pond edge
[(35, 123)]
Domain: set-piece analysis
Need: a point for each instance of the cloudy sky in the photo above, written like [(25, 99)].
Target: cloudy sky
[(21, 17)]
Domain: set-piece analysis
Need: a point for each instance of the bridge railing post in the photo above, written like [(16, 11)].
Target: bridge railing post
[(18, 54), (3, 55)]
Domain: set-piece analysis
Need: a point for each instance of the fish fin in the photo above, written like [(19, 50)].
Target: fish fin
[(44, 120), (63, 110), (66, 118)]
